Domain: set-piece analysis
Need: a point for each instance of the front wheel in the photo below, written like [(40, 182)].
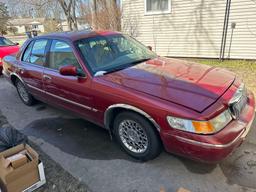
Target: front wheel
[(24, 95), (137, 136)]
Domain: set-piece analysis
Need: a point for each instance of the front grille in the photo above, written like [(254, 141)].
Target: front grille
[(238, 106)]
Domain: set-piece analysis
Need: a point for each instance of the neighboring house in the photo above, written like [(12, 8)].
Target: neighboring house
[(81, 24), (186, 28), (27, 24)]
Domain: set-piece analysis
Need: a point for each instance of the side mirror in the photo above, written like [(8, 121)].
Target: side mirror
[(150, 48), (71, 70), (16, 43)]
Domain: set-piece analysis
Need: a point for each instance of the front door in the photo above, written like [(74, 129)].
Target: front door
[(67, 91)]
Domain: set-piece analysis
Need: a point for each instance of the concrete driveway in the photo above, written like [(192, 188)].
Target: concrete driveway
[(85, 151)]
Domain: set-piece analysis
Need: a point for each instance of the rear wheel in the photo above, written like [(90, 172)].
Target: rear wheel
[(137, 136), (25, 96)]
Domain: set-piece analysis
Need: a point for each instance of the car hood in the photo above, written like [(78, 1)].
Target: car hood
[(185, 83), (7, 50)]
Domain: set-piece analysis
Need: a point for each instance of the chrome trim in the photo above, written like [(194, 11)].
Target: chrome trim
[(69, 101), (241, 90), (208, 145), (242, 136), (40, 90), (63, 99), (239, 95), (129, 107), (15, 74)]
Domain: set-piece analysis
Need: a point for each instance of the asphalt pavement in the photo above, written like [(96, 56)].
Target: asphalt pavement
[(87, 153)]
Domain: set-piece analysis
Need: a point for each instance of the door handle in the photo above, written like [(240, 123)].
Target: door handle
[(46, 77), (21, 70)]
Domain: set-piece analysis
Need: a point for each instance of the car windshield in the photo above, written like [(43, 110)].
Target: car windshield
[(6, 42), (106, 54)]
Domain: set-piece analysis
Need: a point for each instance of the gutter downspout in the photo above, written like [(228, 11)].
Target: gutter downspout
[(225, 31)]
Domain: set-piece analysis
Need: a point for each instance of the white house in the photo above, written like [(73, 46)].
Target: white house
[(82, 24), (27, 24), (186, 28)]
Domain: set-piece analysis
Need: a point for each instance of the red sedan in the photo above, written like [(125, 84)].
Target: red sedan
[(144, 100), (7, 47)]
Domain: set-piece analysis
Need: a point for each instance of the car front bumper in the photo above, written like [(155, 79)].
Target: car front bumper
[(216, 147)]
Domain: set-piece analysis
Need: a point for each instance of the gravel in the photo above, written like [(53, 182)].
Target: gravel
[(57, 179)]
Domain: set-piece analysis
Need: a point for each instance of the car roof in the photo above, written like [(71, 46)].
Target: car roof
[(76, 35)]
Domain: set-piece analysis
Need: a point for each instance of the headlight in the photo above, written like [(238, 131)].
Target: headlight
[(201, 127)]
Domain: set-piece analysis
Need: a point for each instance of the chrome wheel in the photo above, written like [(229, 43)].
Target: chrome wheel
[(23, 92), (133, 136)]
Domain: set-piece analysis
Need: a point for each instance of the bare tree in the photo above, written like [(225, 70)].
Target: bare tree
[(69, 8), (94, 14), (100, 14), (34, 8), (130, 25), (105, 14), (4, 17), (130, 22)]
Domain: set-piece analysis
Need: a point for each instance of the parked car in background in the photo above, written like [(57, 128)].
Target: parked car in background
[(7, 47), (144, 100)]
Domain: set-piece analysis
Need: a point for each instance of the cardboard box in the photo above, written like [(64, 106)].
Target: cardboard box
[(41, 182), (17, 160), (20, 177)]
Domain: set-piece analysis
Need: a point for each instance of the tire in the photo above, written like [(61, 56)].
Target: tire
[(137, 136), (24, 95)]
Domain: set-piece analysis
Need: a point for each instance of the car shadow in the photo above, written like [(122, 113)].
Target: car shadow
[(197, 167), (77, 137), (86, 140)]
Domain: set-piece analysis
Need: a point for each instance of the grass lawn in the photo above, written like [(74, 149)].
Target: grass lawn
[(20, 41), (245, 69)]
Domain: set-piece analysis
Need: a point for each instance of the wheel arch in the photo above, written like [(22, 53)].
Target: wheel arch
[(14, 78), (109, 114)]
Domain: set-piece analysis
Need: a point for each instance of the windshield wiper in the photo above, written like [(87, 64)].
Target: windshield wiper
[(99, 73)]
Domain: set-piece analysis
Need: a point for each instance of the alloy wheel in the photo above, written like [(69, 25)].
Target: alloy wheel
[(133, 136), (23, 92)]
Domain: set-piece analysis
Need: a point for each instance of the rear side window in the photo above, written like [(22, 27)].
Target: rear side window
[(38, 52), (35, 52), (27, 52)]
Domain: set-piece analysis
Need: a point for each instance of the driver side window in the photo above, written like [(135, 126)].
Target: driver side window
[(61, 54)]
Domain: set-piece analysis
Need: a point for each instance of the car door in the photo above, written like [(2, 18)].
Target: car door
[(67, 91), (32, 66)]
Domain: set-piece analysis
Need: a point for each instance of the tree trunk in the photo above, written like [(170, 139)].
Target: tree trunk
[(94, 14), (116, 15), (74, 15), (70, 13)]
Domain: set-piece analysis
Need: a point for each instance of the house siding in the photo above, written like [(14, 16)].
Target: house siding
[(194, 28)]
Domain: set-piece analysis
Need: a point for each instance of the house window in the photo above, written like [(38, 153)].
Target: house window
[(34, 26), (157, 6)]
